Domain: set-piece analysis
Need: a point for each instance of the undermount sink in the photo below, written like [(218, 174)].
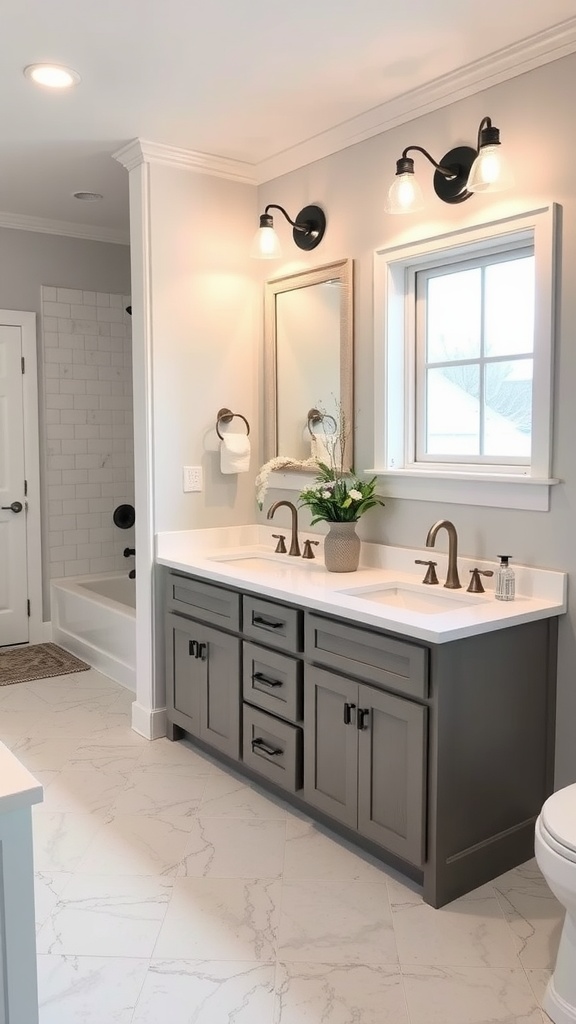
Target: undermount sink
[(271, 563), (412, 598)]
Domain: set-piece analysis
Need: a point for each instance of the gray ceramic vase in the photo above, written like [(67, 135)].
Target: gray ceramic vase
[(342, 548)]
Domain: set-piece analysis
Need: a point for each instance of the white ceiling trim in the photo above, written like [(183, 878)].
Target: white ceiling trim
[(24, 222), (143, 151), (540, 49)]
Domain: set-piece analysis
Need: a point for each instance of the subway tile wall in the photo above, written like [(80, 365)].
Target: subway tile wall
[(88, 429)]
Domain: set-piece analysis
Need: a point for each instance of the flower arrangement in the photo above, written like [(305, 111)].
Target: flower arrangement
[(338, 497)]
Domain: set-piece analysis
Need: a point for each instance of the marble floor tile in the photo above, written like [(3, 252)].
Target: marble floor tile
[(104, 755), (221, 919), (469, 932), (136, 845), (168, 798), (19, 698), (538, 978), (83, 792), (206, 992), (533, 913), (311, 853), (102, 916), (339, 994), (16, 723), (48, 888), (60, 839), (65, 696), (336, 922), (473, 995), (89, 990), (44, 753), (228, 796), (168, 758), (235, 848)]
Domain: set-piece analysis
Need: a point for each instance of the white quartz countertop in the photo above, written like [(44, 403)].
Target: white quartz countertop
[(18, 788), (243, 557)]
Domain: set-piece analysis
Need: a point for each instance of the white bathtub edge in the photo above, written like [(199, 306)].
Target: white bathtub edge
[(149, 722), (111, 667)]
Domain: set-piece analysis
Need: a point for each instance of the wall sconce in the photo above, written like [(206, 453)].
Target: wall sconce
[(307, 230), (461, 172)]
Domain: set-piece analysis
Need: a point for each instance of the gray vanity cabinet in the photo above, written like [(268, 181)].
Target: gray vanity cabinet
[(365, 757), (204, 683)]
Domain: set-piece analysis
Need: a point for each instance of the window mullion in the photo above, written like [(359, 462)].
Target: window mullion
[(481, 368)]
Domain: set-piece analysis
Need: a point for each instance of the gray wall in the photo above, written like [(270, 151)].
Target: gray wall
[(351, 186), (29, 260)]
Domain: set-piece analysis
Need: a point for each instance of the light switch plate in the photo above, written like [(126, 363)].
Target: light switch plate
[(192, 478)]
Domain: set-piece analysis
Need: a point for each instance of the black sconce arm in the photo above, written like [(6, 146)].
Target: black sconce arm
[(295, 225), (419, 149)]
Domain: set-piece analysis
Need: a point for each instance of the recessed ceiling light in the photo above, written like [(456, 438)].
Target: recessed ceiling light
[(55, 76), (88, 197)]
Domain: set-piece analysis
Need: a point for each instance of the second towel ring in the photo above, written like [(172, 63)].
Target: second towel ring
[(225, 415), (315, 416)]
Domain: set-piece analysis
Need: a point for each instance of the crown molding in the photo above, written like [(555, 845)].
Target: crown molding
[(23, 222), (537, 50), (141, 151)]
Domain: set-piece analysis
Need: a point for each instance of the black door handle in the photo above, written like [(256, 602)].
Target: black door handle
[(16, 506), (362, 715), (193, 648), (348, 708)]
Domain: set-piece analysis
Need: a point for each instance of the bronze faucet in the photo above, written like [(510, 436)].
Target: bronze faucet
[(452, 580), (294, 545)]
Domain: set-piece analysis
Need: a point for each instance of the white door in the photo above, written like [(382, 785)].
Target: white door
[(13, 556)]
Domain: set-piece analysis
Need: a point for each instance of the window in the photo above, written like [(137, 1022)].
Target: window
[(463, 362)]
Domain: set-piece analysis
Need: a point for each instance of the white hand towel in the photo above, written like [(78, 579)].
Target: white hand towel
[(235, 453)]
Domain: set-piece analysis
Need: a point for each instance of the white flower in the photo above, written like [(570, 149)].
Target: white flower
[(355, 495), (326, 494)]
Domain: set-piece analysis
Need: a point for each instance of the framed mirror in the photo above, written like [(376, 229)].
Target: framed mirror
[(309, 359)]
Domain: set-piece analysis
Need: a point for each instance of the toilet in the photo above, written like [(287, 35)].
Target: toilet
[(555, 848)]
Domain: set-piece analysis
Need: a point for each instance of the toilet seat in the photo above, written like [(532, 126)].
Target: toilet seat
[(558, 822)]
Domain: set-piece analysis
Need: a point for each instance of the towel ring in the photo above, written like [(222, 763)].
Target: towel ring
[(315, 416), (225, 416)]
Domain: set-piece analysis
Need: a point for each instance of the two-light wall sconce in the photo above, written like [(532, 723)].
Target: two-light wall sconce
[(460, 173)]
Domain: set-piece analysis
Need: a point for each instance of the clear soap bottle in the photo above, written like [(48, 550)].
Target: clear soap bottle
[(505, 580)]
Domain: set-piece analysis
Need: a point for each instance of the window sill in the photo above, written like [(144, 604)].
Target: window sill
[(502, 490)]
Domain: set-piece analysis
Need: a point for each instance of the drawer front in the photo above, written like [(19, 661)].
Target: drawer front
[(273, 748), (205, 601), (273, 682), (273, 624), (365, 654)]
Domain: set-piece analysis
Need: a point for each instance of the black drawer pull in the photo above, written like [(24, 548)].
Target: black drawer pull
[(202, 651), (257, 620), (348, 708), (362, 715), (193, 648), (260, 744), (259, 677)]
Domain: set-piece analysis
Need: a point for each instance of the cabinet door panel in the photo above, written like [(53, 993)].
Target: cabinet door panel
[(392, 774), (220, 705), (330, 746), (185, 673)]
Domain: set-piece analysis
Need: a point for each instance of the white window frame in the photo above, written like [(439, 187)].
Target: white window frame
[(395, 355)]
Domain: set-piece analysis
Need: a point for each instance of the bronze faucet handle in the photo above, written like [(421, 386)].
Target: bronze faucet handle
[(308, 553), (430, 576), (475, 586), (280, 548)]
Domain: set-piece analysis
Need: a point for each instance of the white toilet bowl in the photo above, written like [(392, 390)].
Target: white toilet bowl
[(555, 848)]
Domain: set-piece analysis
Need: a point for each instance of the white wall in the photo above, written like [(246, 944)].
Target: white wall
[(536, 128)]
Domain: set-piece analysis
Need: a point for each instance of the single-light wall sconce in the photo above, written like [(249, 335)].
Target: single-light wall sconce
[(307, 230), (461, 172)]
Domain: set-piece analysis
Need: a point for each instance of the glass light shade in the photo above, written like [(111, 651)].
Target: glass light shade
[(266, 245), (404, 195), (490, 171)]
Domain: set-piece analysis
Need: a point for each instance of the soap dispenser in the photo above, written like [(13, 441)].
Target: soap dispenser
[(505, 580)]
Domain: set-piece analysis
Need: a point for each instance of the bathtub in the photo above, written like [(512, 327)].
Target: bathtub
[(94, 617)]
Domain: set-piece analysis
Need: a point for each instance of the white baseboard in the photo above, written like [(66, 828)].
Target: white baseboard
[(147, 722)]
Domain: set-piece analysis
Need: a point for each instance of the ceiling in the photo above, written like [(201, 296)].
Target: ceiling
[(267, 83)]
